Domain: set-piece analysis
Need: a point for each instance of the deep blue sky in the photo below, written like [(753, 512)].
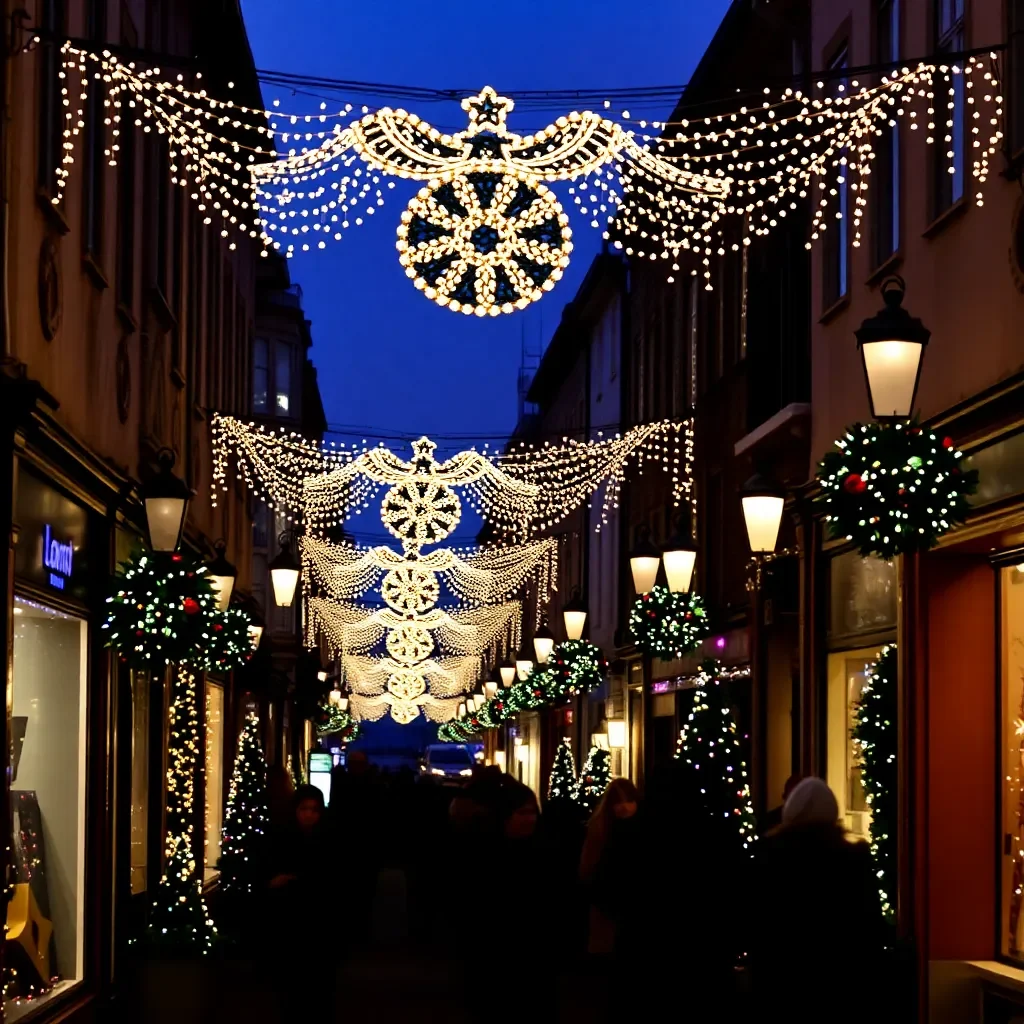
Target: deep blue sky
[(386, 356)]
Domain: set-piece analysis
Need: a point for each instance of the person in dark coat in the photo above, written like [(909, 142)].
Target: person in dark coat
[(815, 917)]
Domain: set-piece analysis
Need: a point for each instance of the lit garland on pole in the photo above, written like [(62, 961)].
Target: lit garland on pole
[(668, 625), (480, 236), (562, 783), (711, 746), (245, 818), (330, 720), (595, 775), (876, 734), (894, 488)]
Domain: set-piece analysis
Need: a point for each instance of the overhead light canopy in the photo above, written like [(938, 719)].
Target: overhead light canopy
[(763, 501), (543, 643), (284, 573), (892, 346), (680, 556), (575, 615), (644, 560), (165, 497)]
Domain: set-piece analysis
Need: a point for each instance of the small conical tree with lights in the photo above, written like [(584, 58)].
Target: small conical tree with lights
[(562, 784), (245, 819), (595, 775), (875, 733), (711, 746)]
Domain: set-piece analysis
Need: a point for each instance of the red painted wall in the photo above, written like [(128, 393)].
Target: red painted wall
[(959, 602)]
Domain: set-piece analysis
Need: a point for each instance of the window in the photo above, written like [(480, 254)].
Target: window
[(46, 912), (862, 595), (886, 184), (282, 379), (140, 782), (214, 776), (51, 111), (1012, 635), (948, 152), (836, 248)]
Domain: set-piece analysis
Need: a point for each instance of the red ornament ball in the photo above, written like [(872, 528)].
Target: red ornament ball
[(190, 606), (947, 442), (855, 484), (175, 557), (217, 627)]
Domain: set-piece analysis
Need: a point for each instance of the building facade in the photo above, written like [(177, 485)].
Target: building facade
[(126, 322)]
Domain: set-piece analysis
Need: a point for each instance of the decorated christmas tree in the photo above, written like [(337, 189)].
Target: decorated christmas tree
[(875, 733), (594, 777), (562, 784), (178, 919), (710, 744), (245, 820)]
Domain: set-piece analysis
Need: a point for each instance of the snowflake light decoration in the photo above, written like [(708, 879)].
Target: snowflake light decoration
[(409, 643), (410, 589), (421, 511)]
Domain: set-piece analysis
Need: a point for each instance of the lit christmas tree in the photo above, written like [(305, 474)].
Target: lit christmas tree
[(245, 819), (178, 919), (875, 733), (595, 775), (562, 784), (710, 744)]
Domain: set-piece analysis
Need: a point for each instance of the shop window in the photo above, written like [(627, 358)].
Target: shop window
[(863, 595), (46, 909), (1012, 635), (140, 782), (1000, 468), (214, 776), (847, 674), (948, 158)]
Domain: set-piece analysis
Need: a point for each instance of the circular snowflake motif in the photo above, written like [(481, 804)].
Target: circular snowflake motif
[(409, 643), (484, 243), (421, 512), (411, 591), (406, 684), (404, 712)]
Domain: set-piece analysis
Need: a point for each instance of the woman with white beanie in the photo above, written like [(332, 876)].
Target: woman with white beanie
[(816, 926)]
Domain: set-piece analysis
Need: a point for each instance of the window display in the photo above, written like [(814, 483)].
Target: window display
[(45, 917), (214, 776), (1011, 586)]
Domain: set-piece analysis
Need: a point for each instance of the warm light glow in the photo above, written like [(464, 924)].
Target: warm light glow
[(508, 675), (645, 572), (499, 759), (617, 734), (574, 623), (321, 676), (523, 668), (165, 516), (542, 648), (522, 753), (599, 740), (892, 368), (255, 635), (679, 570), (763, 516), (335, 698), (490, 689), (222, 590), (285, 581)]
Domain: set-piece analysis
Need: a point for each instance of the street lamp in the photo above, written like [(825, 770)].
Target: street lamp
[(507, 671), (575, 615), (644, 560), (616, 733), (524, 663), (221, 574), (763, 501), (284, 573), (892, 345), (543, 643), (255, 634), (165, 497), (680, 556), (490, 689)]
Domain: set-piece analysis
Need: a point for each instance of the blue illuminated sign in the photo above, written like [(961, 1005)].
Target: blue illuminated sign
[(58, 557)]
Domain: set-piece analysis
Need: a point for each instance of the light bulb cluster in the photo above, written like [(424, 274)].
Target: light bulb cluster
[(666, 624), (562, 781), (245, 817), (710, 744), (298, 181)]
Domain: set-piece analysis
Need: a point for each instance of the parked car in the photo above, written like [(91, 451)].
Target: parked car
[(448, 761)]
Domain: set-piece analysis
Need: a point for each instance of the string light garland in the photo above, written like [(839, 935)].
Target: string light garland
[(300, 180), (710, 745), (245, 817), (894, 488), (595, 775), (666, 624), (876, 735)]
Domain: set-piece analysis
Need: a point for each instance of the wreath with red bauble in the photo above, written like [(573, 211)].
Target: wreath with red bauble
[(894, 488), (668, 625)]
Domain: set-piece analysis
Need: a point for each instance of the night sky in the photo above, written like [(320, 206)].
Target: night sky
[(388, 358)]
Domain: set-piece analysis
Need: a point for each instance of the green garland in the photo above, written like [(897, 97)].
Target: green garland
[(575, 666), (330, 720), (876, 734), (163, 611), (668, 625), (894, 488)]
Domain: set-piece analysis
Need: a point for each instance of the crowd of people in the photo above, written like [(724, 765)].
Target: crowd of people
[(651, 902)]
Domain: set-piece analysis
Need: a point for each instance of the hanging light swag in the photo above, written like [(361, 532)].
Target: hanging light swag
[(894, 488), (483, 235)]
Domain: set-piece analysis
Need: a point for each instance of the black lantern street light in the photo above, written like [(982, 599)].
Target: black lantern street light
[(763, 501), (574, 614), (222, 575), (524, 663), (680, 556), (507, 671), (644, 562), (892, 346), (284, 572), (165, 497), (543, 643)]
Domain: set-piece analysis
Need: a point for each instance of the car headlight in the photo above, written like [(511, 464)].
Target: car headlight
[(437, 771), (466, 771)]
